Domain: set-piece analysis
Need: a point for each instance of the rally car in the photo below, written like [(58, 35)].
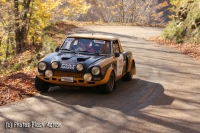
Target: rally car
[(85, 60)]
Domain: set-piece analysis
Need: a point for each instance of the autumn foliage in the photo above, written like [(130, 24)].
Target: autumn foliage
[(17, 86), (190, 49), (185, 24)]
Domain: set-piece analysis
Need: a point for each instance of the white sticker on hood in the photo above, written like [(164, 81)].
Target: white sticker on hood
[(68, 66)]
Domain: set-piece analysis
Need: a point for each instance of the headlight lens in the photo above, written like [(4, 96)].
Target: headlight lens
[(48, 73), (42, 66), (54, 65), (87, 77), (79, 67), (95, 70)]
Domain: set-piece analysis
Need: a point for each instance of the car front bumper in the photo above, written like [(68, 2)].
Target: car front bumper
[(80, 82)]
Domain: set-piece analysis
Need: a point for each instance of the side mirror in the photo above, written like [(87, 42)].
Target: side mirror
[(117, 54), (57, 49)]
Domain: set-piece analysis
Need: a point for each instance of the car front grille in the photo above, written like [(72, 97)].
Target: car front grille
[(68, 74)]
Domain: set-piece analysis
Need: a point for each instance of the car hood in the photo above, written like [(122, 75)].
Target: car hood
[(68, 61)]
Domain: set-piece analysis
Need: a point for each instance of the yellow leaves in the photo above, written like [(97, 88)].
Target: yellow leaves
[(178, 3), (75, 8), (99, 5), (52, 4), (113, 13), (2, 1), (41, 13)]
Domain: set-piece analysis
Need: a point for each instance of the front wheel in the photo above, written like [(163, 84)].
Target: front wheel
[(110, 85), (41, 85)]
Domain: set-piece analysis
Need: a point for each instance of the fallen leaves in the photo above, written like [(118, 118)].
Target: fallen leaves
[(190, 49), (17, 86)]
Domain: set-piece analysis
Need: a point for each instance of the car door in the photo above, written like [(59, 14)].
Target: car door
[(120, 60)]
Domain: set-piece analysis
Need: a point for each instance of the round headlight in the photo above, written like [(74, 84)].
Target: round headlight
[(54, 65), (42, 66), (95, 70), (48, 73), (79, 67), (87, 77)]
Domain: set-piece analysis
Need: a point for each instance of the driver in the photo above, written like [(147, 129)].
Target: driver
[(104, 48), (83, 46)]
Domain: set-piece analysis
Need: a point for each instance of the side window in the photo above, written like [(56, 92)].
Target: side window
[(115, 46)]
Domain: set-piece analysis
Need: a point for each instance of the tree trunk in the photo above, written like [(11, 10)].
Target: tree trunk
[(21, 25), (122, 11), (8, 42), (17, 30), (0, 40)]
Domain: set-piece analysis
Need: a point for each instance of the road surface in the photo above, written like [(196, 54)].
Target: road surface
[(163, 97)]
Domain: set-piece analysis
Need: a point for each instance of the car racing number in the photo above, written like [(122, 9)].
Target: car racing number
[(120, 63)]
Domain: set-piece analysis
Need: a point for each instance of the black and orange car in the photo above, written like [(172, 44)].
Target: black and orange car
[(85, 60)]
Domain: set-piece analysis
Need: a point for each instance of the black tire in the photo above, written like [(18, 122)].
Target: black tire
[(128, 76), (110, 85), (41, 85)]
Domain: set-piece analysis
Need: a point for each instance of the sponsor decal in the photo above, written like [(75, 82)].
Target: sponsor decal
[(124, 63), (119, 65), (99, 41), (68, 66)]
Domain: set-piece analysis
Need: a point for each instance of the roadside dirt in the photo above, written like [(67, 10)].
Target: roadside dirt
[(190, 49)]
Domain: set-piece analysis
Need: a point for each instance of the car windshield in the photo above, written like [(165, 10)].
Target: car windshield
[(85, 45)]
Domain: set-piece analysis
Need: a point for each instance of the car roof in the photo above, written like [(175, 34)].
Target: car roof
[(93, 36)]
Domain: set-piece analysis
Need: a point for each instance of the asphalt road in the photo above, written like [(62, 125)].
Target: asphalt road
[(163, 97)]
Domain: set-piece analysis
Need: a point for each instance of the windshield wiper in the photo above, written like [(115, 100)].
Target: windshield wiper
[(84, 51), (68, 50)]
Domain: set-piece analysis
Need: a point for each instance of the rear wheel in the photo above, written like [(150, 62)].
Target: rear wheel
[(110, 85), (41, 85), (128, 76)]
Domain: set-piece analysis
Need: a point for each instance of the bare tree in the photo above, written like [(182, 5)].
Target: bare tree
[(126, 11)]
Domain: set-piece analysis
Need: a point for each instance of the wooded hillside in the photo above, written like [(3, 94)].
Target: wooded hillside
[(185, 24), (128, 11), (23, 22)]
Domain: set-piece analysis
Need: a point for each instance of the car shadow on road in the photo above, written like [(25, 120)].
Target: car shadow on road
[(130, 99), (136, 94)]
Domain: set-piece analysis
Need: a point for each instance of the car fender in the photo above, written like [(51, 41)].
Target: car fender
[(107, 75), (130, 62)]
